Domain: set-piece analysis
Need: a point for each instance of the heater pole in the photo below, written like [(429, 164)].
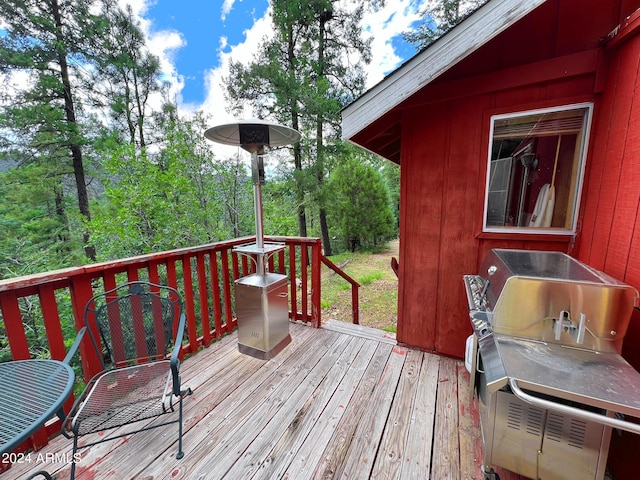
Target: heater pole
[(257, 205)]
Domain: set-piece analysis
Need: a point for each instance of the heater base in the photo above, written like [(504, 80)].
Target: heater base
[(262, 309), (261, 354)]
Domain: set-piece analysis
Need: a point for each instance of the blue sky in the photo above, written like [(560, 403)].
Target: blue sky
[(196, 40), (205, 27)]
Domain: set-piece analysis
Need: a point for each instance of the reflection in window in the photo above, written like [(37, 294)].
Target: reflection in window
[(535, 169)]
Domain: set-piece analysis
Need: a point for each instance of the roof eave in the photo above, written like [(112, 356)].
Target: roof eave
[(474, 31)]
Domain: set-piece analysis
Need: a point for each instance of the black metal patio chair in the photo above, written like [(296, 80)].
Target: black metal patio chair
[(139, 327)]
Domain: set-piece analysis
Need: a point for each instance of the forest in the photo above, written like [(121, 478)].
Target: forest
[(91, 171), (97, 163)]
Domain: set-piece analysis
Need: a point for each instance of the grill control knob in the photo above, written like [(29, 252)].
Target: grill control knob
[(492, 269)]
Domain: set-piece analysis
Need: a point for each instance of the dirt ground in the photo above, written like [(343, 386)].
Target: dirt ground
[(378, 298)]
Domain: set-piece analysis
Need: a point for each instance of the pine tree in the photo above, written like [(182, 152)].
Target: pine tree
[(44, 39), (300, 78), (360, 205)]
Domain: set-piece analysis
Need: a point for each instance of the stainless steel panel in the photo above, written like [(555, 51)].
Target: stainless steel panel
[(552, 297), (572, 449), (491, 364), (551, 325), (518, 435), (539, 443), (602, 380), (262, 308), (499, 265), (530, 308)]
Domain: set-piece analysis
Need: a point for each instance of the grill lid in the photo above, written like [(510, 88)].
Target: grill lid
[(552, 297)]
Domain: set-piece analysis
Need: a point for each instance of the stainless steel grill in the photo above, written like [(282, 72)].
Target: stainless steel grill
[(546, 364)]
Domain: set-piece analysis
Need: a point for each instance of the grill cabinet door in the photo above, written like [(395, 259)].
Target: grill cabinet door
[(518, 435), (571, 448)]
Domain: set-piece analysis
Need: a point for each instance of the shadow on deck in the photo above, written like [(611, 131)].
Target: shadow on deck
[(339, 402)]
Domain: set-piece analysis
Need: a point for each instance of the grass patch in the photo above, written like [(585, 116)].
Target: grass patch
[(370, 278), (378, 294)]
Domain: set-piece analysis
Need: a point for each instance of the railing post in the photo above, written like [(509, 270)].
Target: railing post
[(226, 289), (81, 293), (14, 327), (203, 294), (354, 287), (355, 303), (188, 303), (316, 264), (292, 282), (304, 278)]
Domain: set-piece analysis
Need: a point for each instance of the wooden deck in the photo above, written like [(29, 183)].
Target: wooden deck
[(339, 402)]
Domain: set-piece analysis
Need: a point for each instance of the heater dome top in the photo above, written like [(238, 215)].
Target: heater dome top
[(253, 134)]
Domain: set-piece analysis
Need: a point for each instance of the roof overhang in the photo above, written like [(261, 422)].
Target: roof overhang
[(473, 32)]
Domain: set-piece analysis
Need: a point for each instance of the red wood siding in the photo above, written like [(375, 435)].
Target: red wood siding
[(421, 216), (458, 246), (443, 186), (610, 235), (612, 191), (444, 143)]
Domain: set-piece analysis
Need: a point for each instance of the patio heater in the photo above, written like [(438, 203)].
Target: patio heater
[(262, 299)]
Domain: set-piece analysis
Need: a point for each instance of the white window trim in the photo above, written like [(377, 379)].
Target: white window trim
[(581, 168)]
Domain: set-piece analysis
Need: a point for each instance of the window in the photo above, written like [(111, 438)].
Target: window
[(535, 170)]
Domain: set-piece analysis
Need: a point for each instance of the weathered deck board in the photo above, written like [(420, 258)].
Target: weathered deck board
[(335, 403), (388, 463), (325, 427), (469, 422), (310, 416), (417, 453), (446, 447), (364, 446), (361, 331)]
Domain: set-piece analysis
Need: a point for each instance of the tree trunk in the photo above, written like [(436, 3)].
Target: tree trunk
[(324, 227), (76, 152), (297, 150)]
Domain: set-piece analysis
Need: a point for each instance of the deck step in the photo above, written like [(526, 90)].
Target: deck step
[(360, 331)]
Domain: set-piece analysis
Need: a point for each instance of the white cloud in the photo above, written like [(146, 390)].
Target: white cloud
[(224, 41), (381, 26), (388, 22), (164, 44), (396, 17), (214, 104), (227, 5)]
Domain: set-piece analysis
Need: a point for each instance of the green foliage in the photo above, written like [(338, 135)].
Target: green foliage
[(391, 177), (85, 165), (35, 234), (179, 198), (279, 205), (360, 205), (440, 17), (300, 78)]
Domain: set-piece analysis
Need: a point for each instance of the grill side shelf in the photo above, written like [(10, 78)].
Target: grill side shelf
[(576, 412)]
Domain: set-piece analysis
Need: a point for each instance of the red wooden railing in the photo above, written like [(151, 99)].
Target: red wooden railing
[(203, 275), (355, 286)]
